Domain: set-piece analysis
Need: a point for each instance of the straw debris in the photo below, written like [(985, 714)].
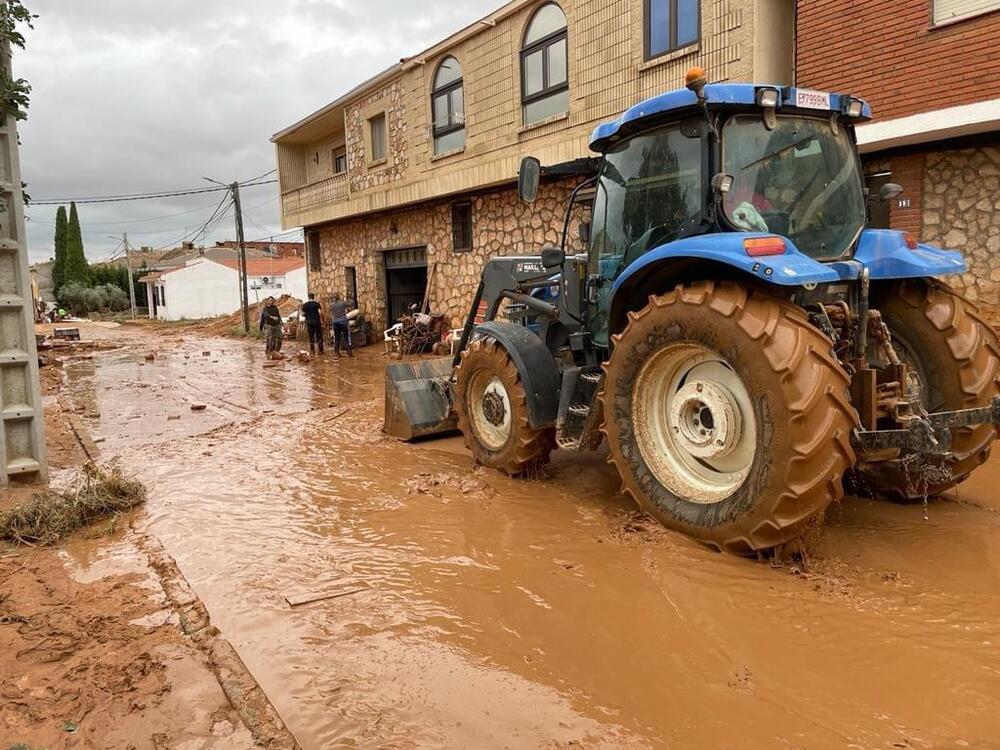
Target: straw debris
[(49, 515)]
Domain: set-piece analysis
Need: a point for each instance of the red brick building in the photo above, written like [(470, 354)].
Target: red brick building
[(931, 71)]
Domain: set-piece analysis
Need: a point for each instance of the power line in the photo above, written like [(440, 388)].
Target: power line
[(276, 236), (219, 212), (140, 196), (266, 174)]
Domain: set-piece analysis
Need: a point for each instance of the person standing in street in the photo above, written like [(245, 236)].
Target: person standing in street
[(270, 325), (312, 311), (341, 326)]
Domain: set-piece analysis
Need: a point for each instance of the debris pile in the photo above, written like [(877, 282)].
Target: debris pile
[(49, 515), (420, 332), (227, 323)]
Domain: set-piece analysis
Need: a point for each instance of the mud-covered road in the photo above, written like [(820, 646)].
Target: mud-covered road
[(482, 612)]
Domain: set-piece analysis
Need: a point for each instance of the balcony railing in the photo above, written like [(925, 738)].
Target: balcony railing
[(330, 190)]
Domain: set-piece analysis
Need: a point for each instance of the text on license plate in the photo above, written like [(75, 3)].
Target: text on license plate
[(812, 99)]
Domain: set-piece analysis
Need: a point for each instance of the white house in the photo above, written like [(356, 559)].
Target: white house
[(273, 276), (204, 288)]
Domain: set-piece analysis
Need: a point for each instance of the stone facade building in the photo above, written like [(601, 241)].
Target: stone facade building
[(407, 181), (931, 72)]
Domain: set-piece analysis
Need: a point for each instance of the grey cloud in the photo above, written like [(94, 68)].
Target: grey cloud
[(147, 96)]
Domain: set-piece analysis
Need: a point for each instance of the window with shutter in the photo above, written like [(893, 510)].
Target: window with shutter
[(953, 10)]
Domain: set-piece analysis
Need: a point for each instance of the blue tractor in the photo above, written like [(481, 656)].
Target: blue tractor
[(734, 332)]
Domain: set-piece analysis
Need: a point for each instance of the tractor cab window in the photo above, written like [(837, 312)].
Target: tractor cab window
[(650, 192), (800, 180)]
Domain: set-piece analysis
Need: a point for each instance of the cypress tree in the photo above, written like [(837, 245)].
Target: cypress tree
[(76, 262), (59, 266)]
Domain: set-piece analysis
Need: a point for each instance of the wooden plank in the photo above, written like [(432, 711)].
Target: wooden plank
[(298, 600)]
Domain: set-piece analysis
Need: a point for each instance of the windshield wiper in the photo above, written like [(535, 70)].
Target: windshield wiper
[(781, 150)]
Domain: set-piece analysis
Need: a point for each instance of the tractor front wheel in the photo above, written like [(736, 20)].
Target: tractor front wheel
[(493, 414), (727, 415)]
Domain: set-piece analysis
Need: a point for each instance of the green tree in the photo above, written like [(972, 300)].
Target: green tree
[(62, 234), (115, 273), (14, 93), (75, 268)]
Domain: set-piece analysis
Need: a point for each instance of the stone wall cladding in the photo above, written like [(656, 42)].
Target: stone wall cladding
[(390, 100), (502, 225), (961, 211)]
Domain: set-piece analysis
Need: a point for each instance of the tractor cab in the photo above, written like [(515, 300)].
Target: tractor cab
[(777, 165)]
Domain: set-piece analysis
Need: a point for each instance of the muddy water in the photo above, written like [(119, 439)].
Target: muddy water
[(505, 614)]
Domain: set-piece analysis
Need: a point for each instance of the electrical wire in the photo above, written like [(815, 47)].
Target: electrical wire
[(220, 211), (142, 196), (273, 237), (266, 174)]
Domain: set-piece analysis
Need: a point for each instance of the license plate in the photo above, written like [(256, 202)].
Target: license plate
[(810, 99)]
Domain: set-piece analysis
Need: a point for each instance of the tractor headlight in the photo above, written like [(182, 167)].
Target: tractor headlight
[(854, 107)]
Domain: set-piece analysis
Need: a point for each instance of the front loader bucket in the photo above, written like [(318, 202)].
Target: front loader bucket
[(418, 399)]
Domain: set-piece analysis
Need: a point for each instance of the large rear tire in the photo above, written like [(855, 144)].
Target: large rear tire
[(727, 416), (955, 356), (493, 414)]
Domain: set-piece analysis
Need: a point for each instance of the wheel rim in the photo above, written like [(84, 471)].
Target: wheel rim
[(694, 423), (917, 386), (489, 409)]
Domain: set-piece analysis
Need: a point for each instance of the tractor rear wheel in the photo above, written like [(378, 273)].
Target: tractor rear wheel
[(493, 413), (955, 358), (727, 416)]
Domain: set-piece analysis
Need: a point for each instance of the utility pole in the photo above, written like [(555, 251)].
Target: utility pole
[(244, 292), (131, 283)]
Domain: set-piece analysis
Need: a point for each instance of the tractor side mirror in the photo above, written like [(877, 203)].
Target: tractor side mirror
[(585, 232), (889, 191), (553, 257), (528, 178)]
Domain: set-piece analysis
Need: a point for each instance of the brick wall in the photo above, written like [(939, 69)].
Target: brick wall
[(888, 52), (908, 171)]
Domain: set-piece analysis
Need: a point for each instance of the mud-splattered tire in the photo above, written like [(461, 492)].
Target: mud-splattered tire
[(956, 356), (493, 413), (800, 410)]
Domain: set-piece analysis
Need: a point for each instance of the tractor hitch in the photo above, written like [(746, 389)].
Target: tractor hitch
[(928, 434)]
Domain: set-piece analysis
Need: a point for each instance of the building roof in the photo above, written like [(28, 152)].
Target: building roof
[(157, 275), (266, 266), (718, 95)]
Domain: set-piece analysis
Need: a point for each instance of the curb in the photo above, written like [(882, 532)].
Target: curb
[(239, 685)]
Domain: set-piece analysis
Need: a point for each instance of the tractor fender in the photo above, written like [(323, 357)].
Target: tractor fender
[(793, 268), (536, 365), (885, 254)]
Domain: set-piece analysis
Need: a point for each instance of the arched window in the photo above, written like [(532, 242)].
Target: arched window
[(545, 65), (448, 107)]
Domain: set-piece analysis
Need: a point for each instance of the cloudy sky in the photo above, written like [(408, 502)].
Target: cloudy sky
[(139, 96)]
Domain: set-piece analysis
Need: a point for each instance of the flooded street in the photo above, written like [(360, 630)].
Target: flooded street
[(482, 612)]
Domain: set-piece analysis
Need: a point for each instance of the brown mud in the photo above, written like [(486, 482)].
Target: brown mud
[(93, 658), (494, 613), (102, 642)]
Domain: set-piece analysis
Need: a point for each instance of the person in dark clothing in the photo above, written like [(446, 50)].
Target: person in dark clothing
[(341, 326), (270, 325), (312, 311)]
